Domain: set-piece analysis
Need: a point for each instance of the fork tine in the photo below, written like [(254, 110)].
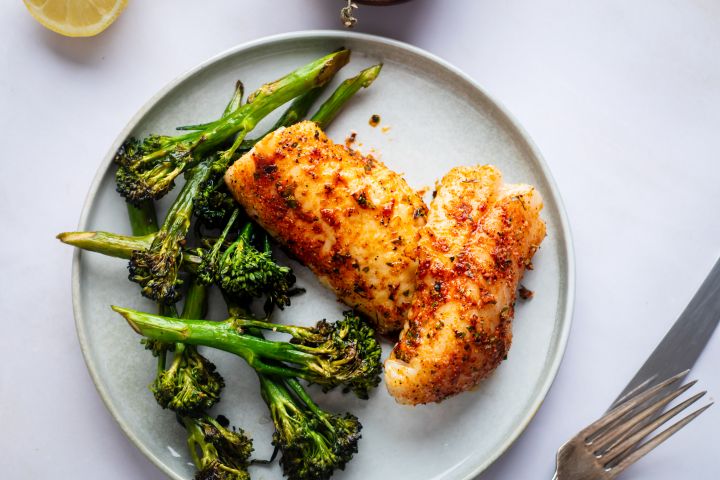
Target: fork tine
[(630, 404), (620, 448), (655, 441), (635, 391), (609, 439)]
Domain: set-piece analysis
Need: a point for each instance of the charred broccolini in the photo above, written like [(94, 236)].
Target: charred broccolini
[(218, 452), (237, 266), (243, 271), (157, 268), (313, 443), (344, 353), (147, 169), (191, 383)]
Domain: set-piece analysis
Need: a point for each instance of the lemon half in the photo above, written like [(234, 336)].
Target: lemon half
[(76, 18)]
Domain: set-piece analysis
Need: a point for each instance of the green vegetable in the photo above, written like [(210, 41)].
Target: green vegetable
[(148, 168), (218, 453), (244, 272), (234, 103), (121, 246), (214, 204), (238, 267), (191, 384), (313, 443), (157, 268), (143, 219), (331, 107), (330, 354)]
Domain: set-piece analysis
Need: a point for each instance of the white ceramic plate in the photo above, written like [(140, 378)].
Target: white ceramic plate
[(437, 118)]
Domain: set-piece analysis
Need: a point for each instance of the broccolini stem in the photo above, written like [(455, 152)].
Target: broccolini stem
[(224, 336), (302, 394), (168, 311), (195, 440), (274, 394), (195, 301), (229, 225), (143, 219), (236, 100), (177, 221), (299, 108), (298, 390), (246, 233), (161, 361), (267, 248), (110, 244), (178, 357), (267, 98), (295, 112), (234, 104), (119, 246), (329, 110), (250, 323)]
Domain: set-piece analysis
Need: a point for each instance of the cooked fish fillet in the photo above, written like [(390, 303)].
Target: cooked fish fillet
[(480, 237), (349, 218)]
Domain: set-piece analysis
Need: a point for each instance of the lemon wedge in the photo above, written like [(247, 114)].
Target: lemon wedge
[(76, 18)]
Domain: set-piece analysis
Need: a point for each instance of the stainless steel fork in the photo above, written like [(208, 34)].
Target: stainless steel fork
[(604, 449)]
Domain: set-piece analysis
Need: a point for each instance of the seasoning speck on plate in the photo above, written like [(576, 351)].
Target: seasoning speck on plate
[(525, 294), (374, 120)]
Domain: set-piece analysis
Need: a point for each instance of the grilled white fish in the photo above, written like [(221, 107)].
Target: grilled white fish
[(480, 237), (349, 218)]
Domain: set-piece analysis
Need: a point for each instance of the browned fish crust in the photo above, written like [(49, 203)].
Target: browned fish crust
[(480, 236), (349, 218)]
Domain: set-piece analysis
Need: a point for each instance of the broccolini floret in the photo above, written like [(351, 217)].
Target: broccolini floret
[(313, 443), (244, 272), (147, 168), (190, 384), (213, 204), (218, 453)]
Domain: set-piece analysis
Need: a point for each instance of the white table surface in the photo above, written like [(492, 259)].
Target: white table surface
[(622, 97)]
